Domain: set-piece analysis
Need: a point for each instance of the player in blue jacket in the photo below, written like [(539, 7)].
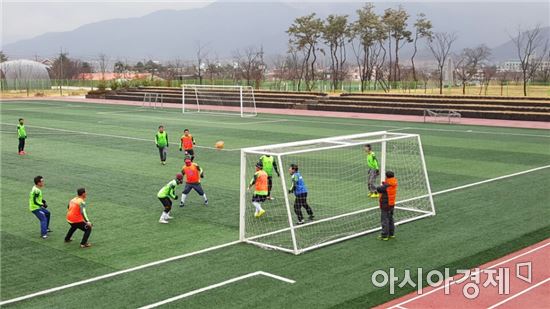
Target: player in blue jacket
[(300, 191)]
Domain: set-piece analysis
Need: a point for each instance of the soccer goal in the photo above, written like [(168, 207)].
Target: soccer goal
[(442, 116), (153, 100), (335, 173), (219, 99)]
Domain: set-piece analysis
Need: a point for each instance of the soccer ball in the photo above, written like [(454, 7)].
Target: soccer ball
[(219, 145)]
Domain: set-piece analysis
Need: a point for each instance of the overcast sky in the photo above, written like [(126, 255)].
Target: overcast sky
[(27, 19)]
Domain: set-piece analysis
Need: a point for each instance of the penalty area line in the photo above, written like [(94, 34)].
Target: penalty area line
[(217, 285), (117, 273)]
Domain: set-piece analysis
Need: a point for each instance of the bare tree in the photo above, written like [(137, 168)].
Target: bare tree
[(304, 35), (503, 77), (543, 74), (102, 61), (396, 25), (336, 33), (368, 46), (531, 46), (489, 73), (469, 62), (422, 29), (251, 65), (440, 45), (202, 53)]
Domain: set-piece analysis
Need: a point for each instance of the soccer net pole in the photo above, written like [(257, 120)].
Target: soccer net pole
[(335, 173)]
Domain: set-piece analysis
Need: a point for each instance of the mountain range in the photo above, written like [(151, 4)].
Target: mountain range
[(224, 27)]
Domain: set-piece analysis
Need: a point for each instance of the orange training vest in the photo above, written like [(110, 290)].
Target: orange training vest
[(187, 142), (73, 214), (261, 182), (192, 173)]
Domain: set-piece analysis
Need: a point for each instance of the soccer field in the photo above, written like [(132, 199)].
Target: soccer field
[(109, 150)]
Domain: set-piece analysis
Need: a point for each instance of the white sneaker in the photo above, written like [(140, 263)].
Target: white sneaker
[(163, 221)]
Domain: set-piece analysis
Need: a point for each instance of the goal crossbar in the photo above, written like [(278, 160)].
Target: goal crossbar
[(224, 94), (394, 146)]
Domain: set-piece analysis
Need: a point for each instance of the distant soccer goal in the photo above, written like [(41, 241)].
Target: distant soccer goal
[(153, 100), (442, 116), (219, 99), (335, 173)]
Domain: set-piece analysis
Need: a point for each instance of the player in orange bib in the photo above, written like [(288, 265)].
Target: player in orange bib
[(187, 143), (193, 174), (78, 218)]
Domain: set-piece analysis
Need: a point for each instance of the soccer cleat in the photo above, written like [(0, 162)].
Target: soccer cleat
[(182, 204), (86, 245), (259, 213), (270, 198), (380, 237), (375, 195), (168, 217), (392, 237), (67, 241), (163, 221), (163, 163), (44, 236), (311, 217), (49, 231), (206, 203), (300, 222), (370, 194)]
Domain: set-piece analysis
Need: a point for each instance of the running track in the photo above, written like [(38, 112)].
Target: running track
[(521, 294)]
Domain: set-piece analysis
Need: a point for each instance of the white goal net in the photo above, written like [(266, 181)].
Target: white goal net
[(219, 99), (335, 173)]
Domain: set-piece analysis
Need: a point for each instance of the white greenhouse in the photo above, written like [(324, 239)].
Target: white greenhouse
[(24, 74)]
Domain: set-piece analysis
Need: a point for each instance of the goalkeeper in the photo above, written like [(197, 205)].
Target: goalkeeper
[(193, 174), (260, 191), (165, 195), (373, 171), (269, 165), (388, 192), (300, 191)]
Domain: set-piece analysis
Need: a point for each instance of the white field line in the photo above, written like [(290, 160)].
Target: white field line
[(217, 285), (352, 124), (117, 273), (518, 294), (472, 274), (118, 136), (109, 275), (491, 180), (479, 132)]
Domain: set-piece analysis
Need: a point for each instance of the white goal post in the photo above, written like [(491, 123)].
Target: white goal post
[(335, 173), (218, 99)]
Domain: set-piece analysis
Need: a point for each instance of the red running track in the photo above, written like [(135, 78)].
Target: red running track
[(521, 294)]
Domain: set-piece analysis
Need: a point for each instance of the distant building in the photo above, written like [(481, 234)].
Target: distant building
[(515, 66)]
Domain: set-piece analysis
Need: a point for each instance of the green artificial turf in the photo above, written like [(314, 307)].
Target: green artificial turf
[(118, 164)]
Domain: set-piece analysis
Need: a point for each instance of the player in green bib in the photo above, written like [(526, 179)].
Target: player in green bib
[(373, 170), (161, 140), (37, 205), (166, 195), (269, 165), (22, 135)]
